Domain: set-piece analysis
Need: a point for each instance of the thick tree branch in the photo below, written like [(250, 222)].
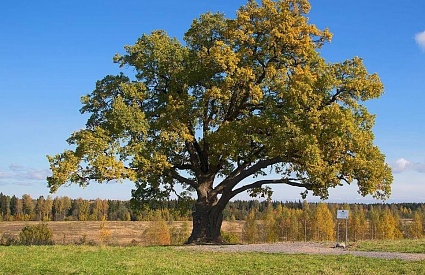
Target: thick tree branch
[(257, 184), (201, 154), (243, 172), (253, 169), (194, 160), (343, 178), (183, 166), (175, 175)]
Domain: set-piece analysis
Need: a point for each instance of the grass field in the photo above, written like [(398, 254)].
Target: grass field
[(74, 259), (120, 258), (405, 246)]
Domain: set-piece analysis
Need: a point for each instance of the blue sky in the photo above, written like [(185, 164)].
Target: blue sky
[(52, 53)]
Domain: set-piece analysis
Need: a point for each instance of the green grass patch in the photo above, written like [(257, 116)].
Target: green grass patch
[(169, 260), (404, 245)]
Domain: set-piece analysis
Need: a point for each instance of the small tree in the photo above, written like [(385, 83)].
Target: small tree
[(323, 223), (104, 232), (306, 220), (269, 226), (39, 234), (357, 224), (296, 228), (81, 209), (16, 208), (415, 228), (387, 227), (250, 229), (40, 208), (27, 207), (5, 212), (48, 207)]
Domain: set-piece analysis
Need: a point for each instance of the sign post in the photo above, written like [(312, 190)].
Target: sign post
[(343, 215)]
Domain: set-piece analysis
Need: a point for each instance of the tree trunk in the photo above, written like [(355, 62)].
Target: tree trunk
[(207, 222)]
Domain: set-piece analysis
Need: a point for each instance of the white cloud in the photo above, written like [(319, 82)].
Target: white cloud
[(401, 165), (404, 165), (420, 39)]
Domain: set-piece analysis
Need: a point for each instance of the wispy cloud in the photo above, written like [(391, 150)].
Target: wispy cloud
[(420, 39), (19, 173), (16, 167), (403, 165), (5, 175)]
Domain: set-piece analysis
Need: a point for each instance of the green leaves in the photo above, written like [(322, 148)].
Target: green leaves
[(241, 98)]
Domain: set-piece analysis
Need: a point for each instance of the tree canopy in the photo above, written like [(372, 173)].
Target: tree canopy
[(238, 100)]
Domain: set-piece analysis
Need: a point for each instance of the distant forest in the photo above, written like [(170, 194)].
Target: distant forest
[(292, 221)]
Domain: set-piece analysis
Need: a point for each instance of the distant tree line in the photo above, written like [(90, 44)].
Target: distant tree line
[(318, 222), (266, 221), (26, 208)]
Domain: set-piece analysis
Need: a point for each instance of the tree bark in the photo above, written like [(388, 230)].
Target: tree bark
[(207, 222)]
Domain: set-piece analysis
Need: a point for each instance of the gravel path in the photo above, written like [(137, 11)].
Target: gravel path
[(305, 248)]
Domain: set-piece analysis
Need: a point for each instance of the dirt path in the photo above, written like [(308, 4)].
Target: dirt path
[(305, 248)]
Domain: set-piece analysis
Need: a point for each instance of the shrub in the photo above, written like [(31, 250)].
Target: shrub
[(84, 241), (230, 237), (250, 229), (104, 233), (7, 239), (180, 234), (157, 233), (38, 234)]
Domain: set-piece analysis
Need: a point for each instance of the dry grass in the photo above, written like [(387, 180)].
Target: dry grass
[(94, 232)]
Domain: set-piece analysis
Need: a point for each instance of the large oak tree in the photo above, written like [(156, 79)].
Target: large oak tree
[(243, 104)]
